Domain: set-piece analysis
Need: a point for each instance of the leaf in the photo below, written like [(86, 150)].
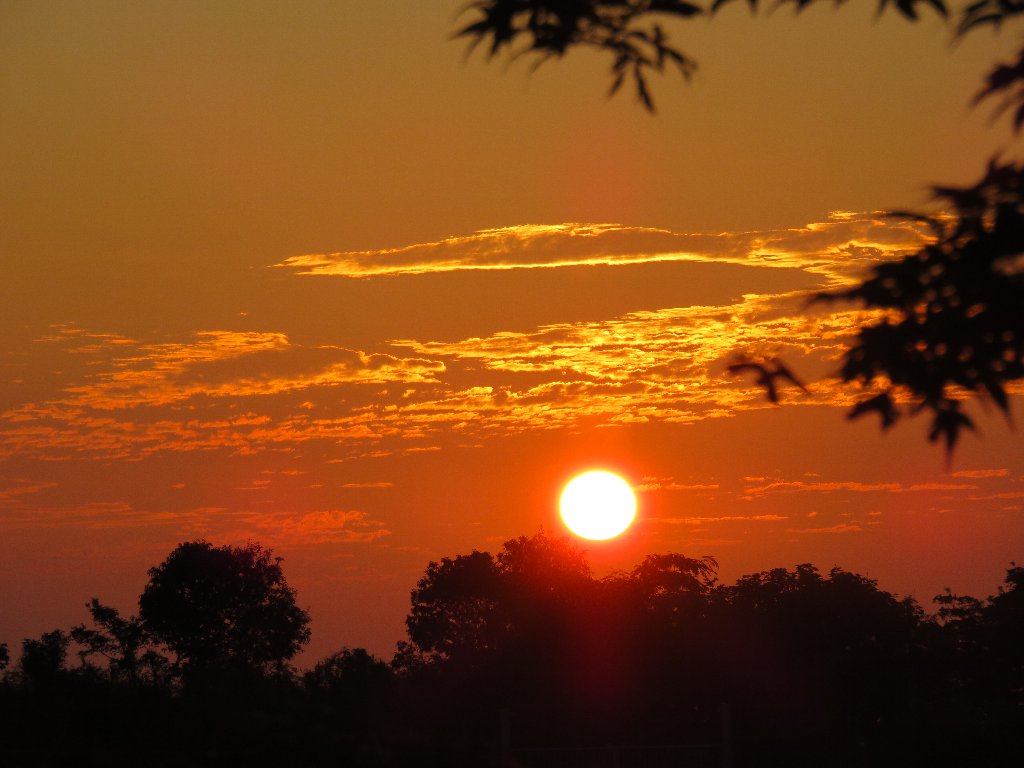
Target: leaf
[(947, 424), (641, 89), (906, 7), (998, 394), (617, 82), (881, 404)]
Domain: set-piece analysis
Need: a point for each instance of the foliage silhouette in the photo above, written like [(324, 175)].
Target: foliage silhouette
[(5, 657), (43, 661), (123, 643), (769, 374), (453, 607), (549, 29), (630, 31), (952, 313), (818, 669), (223, 611), (349, 678)]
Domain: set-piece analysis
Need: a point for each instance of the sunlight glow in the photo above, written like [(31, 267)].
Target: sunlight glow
[(598, 505)]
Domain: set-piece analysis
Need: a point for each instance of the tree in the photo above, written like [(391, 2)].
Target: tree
[(454, 607), (42, 661), (674, 585), (223, 610), (952, 312), (122, 642), (468, 606), (350, 673), (810, 662), (352, 682), (5, 657)]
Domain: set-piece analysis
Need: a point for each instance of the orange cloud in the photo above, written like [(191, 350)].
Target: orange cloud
[(799, 486), (722, 519), (843, 243), (649, 484), (839, 528), (328, 526), (981, 473), (234, 364), (246, 392)]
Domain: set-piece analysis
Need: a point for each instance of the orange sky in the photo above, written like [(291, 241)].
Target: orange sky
[(306, 276)]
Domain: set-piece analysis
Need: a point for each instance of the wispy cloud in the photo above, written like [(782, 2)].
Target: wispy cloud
[(650, 484), (846, 241), (15, 489), (251, 391), (236, 364), (981, 473), (800, 486), (695, 520), (322, 527), (832, 529)]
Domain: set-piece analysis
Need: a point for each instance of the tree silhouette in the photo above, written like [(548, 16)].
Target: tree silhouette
[(223, 610), (42, 661), (5, 657), (122, 642), (454, 607), (952, 313), (817, 669)]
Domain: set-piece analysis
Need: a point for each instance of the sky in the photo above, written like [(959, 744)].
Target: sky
[(309, 275)]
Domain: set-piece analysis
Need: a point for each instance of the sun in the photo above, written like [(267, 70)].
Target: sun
[(597, 505)]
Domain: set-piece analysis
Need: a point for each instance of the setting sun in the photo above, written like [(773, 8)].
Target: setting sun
[(598, 505)]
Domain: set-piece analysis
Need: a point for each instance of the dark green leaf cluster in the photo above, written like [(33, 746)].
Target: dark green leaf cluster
[(953, 318)]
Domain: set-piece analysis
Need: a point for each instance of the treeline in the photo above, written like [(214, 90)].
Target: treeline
[(526, 649)]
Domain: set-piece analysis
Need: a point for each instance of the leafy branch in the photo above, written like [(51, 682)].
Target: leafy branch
[(955, 310)]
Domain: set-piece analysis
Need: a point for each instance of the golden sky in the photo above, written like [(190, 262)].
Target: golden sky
[(304, 274)]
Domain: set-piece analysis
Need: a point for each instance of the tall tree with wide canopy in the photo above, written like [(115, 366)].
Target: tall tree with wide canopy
[(223, 610)]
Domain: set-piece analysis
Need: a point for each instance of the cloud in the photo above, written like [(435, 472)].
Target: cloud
[(649, 484), (835, 247), (323, 527), (721, 519), (14, 489), (800, 486), (832, 529), (1003, 495), (237, 364), (250, 391), (981, 473)]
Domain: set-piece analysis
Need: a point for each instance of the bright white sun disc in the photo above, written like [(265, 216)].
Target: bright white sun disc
[(597, 505)]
